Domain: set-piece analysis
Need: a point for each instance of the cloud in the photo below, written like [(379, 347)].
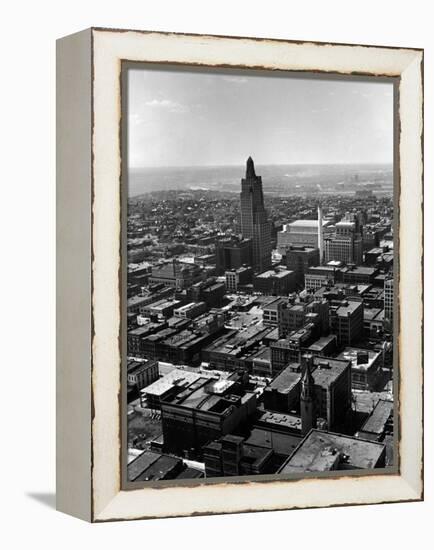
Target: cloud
[(167, 104)]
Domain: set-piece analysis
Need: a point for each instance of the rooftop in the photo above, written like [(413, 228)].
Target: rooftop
[(271, 274), (307, 223), (322, 342), (141, 463), (348, 307), (176, 377), (356, 355), (323, 451), (280, 420), (285, 381), (327, 370), (376, 421), (279, 442)]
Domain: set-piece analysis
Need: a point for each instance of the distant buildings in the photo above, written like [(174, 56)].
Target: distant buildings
[(266, 363), (254, 220), (175, 274)]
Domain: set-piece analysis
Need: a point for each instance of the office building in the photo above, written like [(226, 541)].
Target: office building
[(254, 220), (346, 321), (346, 246), (238, 277), (233, 253), (299, 233), (299, 259), (275, 282)]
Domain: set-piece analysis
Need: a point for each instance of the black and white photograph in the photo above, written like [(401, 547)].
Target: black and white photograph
[(260, 258)]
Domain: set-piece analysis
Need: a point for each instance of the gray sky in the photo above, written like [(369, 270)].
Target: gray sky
[(180, 118)]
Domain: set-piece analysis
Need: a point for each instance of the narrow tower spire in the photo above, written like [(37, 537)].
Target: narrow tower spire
[(307, 396), (250, 169), (320, 235)]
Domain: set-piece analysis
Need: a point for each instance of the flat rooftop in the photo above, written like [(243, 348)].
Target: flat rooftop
[(274, 305), (141, 463), (376, 421), (176, 377), (285, 381), (360, 270), (322, 342), (313, 224), (271, 274), (354, 355), (327, 370), (348, 307), (280, 420), (322, 451), (280, 443)]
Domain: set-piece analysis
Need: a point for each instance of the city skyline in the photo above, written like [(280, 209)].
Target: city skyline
[(195, 118), (260, 300)]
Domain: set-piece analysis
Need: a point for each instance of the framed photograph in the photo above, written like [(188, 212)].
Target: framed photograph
[(239, 274)]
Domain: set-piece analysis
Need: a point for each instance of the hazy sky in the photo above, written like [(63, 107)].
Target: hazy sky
[(180, 118)]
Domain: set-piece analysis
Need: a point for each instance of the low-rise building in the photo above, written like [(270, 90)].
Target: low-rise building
[(190, 311), (365, 366), (141, 373), (322, 451), (205, 410), (379, 423)]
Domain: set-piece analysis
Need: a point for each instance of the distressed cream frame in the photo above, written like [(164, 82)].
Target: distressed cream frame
[(88, 274)]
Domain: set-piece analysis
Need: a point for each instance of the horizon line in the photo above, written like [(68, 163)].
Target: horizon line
[(390, 163)]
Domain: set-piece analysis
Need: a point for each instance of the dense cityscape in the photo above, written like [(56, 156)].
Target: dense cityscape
[(260, 331)]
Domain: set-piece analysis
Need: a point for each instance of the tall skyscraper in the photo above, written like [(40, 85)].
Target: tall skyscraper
[(254, 220)]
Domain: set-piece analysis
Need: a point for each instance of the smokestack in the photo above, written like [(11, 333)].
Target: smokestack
[(320, 235)]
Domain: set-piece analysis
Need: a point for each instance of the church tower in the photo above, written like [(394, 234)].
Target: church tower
[(254, 220), (307, 397)]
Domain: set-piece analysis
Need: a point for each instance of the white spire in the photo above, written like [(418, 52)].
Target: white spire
[(320, 235)]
